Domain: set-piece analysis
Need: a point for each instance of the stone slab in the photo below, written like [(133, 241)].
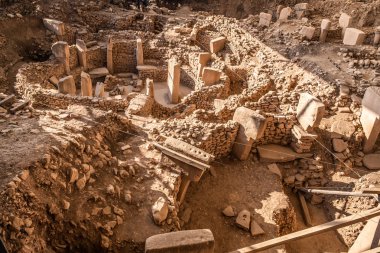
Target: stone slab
[(310, 111), (99, 72), (265, 19), (189, 241), (217, 44), (211, 76), (285, 13), (353, 37), (277, 153), (66, 85), (307, 32), (345, 20), (55, 26), (372, 161)]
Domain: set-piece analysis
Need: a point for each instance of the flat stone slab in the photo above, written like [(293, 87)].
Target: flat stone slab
[(277, 153), (201, 240), (146, 67), (343, 128), (99, 72), (372, 161)]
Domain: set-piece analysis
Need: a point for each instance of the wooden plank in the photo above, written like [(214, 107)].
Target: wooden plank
[(305, 210), (332, 225), (8, 100), (182, 157), (19, 107)]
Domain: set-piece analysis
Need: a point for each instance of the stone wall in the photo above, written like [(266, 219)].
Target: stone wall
[(96, 57), (124, 56)]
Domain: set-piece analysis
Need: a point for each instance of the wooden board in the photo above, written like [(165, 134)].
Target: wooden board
[(374, 190), (332, 225), (305, 210), (375, 250)]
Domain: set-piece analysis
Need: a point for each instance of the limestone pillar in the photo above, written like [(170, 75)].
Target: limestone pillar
[(376, 40), (278, 11), (110, 55), (99, 90), (325, 27), (61, 51), (251, 127), (345, 21), (174, 74), (370, 118), (139, 53), (310, 111), (150, 88), (203, 59), (66, 85), (86, 84), (82, 53)]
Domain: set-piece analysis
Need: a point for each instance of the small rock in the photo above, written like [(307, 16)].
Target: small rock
[(316, 199), (73, 175), (105, 242), (81, 183), (65, 205), (290, 180), (111, 189), (275, 169), (300, 177), (243, 219), (160, 210), (229, 211), (256, 229), (106, 210), (339, 145)]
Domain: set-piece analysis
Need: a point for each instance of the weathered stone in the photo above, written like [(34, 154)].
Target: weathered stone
[(110, 67), (139, 52), (307, 32), (99, 72), (252, 127), (188, 241), (86, 84), (277, 153), (99, 90), (256, 229), (345, 20), (55, 26), (285, 13), (243, 220), (217, 44), (160, 210), (82, 53), (372, 161), (81, 182), (370, 118), (275, 169), (74, 175), (66, 85), (211, 76), (310, 111), (174, 74), (339, 145), (343, 128), (325, 27), (229, 211), (265, 19), (149, 88), (353, 37), (61, 51)]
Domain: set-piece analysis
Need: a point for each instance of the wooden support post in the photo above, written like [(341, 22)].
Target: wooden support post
[(332, 225), (305, 210)]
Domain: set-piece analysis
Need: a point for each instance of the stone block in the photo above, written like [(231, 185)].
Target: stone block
[(66, 85), (149, 88), (325, 24), (252, 127), (160, 210), (174, 75), (211, 76), (217, 44), (285, 13), (99, 90), (189, 241), (86, 84), (353, 37), (139, 52), (82, 53), (307, 32), (301, 7), (61, 51), (55, 26), (99, 72), (243, 220), (345, 20), (370, 118), (265, 19), (310, 111), (204, 58)]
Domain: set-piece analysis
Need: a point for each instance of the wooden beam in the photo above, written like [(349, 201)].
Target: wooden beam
[(374, 250), (305, 210), (374, 190), (332, 225), (182, 157)]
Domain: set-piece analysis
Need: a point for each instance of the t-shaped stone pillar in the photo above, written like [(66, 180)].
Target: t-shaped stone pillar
[(82, 53), (110, 55), (370, 117), (174, 75), (252, 127), (61, 51), (325, 27), (203, 59), (66, 85), (310, 111), (345, 21)]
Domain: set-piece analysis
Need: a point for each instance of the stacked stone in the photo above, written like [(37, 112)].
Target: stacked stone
[(96, 57), (124, 56), (216, 139), (158, 74), (203, 98), (302, 140), (361, 58), (269, 103), (278, 130), (310, 172)]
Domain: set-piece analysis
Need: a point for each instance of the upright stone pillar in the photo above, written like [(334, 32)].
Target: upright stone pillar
[(285, 13), (82, 53), (310, 111), (370, 118), (86, 84), (203, 59), (99, 90), (150, 88), (325, 27), (278, 11), (110, 55), (61, 51), (139, 53), (174, 74), (252, 127), (66, 85), (345, 21), (376, 40)]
